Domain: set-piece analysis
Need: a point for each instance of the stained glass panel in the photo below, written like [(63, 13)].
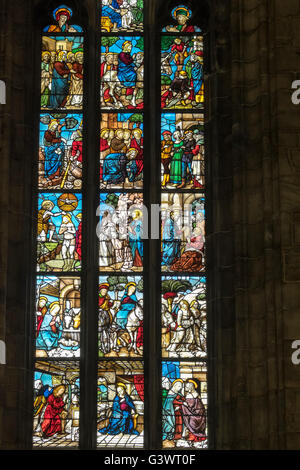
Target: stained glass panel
[(60, 152), (59, 232), (182, 14), (120, 421), (182, 151), (121, 15), (120, 316), (183, 310), (120, 232), (62, 72), (121, 150), (184, 394), (183, 232), (62, 15), (58, 316), (56, 404), (182, 83), (122, 72)]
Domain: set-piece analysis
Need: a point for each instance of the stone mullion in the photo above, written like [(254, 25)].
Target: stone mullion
[(277, 437), (273, 301)]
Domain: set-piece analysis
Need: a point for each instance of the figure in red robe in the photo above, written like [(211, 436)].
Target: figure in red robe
[(137, 142), (55, 415), (78, 245)]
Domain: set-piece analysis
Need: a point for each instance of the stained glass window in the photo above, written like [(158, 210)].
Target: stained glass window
[(120, 228), (120, 417), (122, 72), (184, 398), (57, 316), (121, 151), (183, 292), (117, 135), (56, 404)]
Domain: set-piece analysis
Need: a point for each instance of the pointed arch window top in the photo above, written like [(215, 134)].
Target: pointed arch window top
[(62, 16), (182, 15)]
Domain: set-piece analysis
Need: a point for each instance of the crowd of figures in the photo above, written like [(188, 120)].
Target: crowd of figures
[(120, 321), (122, 76), (62, 79), (56, 411), (182, 83), (182, 154), (184, 329), (184, 414), (121, 157), (120, 235)]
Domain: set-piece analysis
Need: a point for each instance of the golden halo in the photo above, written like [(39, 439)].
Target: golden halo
[(121, 385), (130, 284)]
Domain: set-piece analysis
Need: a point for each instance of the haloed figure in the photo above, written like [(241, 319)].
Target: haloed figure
[(68, 230), (123, 416), (126, 70), (54, 150), (55, 414), (193, 412), (172, 414), (46, 228), (50, 328)]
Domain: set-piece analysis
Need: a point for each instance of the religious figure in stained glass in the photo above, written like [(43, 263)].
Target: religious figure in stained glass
[(62, 72), (59, 232), (120, 404), (62, 16), (183, 316), (182, 83), (122, 72), (184, 405), (183, 232), (121, 15), (120, 316), (60, 152), (182, 15), (182, 151), (120, 232), (121, 151), (56, 404), (58, 317)]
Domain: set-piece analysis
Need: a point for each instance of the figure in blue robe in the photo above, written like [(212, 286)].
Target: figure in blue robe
[(110, 11), (135, 242), (121, 418), (132, 170), (126, 70), (168, 417), (54, 155), (171, 413), (114, 168), (197, 77), (47, 338), (128, 303), (170, 245)]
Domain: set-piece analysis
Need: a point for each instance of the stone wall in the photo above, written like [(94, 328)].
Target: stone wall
[(253, 224)]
